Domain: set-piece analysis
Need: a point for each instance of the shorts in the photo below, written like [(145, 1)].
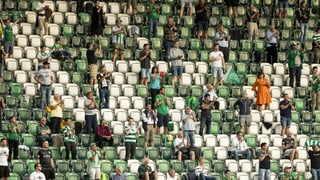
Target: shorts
[(202, 25), (176, 70), (184, 2), (287, 152), (145, 73), (93, 71), (118, 46), (132, 3), (163, 120), (232, 3), (94, 173), (217, 71), (285, 122), (4, 171), (49, 173), (283, 4), (245, 120)]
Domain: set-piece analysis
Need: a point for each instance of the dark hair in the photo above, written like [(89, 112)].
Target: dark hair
[(206, 95), (315, 67), (145, 45), (239, 132), (3, 139), (153, 68), (162, 88), (43, 46), (11, 117), (35, 165), (88, 45), (261, 73), (284, 94), (263, 144), (318, 28), (226, 171), (88, 93), (58, 39)]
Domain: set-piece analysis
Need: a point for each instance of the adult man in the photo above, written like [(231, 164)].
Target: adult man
[(4, 154), (303, 19), (103, 134), (41, 10), (314, 156), (145, 171), (57, 107), (271, 44), (131, 132), (104, 78), (188, 125), (153, 11), (217, 60), (92, 61), (289, 147), (316, 45), (288, 174), (45, 79), (182, 5), (8, 37), (285, 114), (162, 107), (182, 146), (145, 58), (37, 174), (202, 171), (118, 35), (315, 86), (222, 38), (213, 95), (239, 146), (264, 162), (13, 138), (295, 59), (243, 105), (44, 132), (94, 158), (232, 7), (90, 112), (44, 158), (43, 56), (283, 5), (149, 124), (206, 107), (119, 175), (172, 175), (202, 19), (252, 18), (169, 31), (69, 140), (227, 175), (176, 55)]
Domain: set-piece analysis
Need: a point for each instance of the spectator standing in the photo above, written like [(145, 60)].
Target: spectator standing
[(205, 120), (264, 162), (263, 91), (314, 156), (283, 5), (90, 113), (149, 124), (45, 79), (59, 52), (8, 36), (153, 11), (169, 31), (243, 106), (315, 86), (119, 175), (316, 46), (188, 125), (118, 35), (44, 132), (289, 147), (176, 55), (145, 58), (4, 155), (3, 56), (216, 57), (288, 174), (232, 8), (131, 132), (271, 44), (57, 107), (43, 56), (202, 171), (182, 147), (162, 107), (41, 12), (37, 174), (13, 138), (92, 61), (183, 3), (304, 20), (295, 59), (145, 171), (286, 107), (103, 134), (69, 140), (239, 146), (252, 18), (155, 85), (2, 106), (222, 38), (213, 95), (104, 79), (97, 20), (44, 157), (94, 158), (202, 20)]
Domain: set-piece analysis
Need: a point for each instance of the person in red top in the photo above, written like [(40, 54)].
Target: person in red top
[(103, 134)]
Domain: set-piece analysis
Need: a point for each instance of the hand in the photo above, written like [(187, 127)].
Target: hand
[(179, 56)]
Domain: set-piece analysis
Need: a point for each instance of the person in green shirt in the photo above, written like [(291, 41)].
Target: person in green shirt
[(295, 59), (94, 157), (315, 86), (227, 175), (145, 171), (13, 139), (59, 52), (153, 11), (288, 174), (44, 132), (8, 37), (162, 107)]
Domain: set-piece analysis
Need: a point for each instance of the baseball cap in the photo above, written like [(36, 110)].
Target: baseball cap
[(294, 43), (46, 62)]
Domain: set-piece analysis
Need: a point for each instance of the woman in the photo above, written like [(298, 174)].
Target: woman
[(130, 139), (263, 91), (97, 21), (202, 171), (155, 84), (57, 107)]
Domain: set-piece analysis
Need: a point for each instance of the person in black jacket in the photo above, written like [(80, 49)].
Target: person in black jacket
[(303, 17), (244, 106)]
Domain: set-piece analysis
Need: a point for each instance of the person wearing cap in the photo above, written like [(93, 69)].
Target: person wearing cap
[(271, 44), (119, 175), (69, 140), (45, 79), (97, 20), (169, 31), (176, 55), (188, 125), (222, 38), (314, 155), (264, 162), (289, 147), (288, 174), (57, 107), (43, 56), (37, 174), (118, 36), (94, 158), (145, 58), (44, 158), (243, 106), (295, 59), (153, 11), (216, 57)]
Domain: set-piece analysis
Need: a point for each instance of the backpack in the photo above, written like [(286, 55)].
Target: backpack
[(89, 8)]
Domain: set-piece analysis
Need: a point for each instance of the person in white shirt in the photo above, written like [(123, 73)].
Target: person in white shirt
[(202, 171), (239, 146), (217, 64), (172, 175), (4, 154), (37, 174), (213, 95), (41, 11), (182, 146), (176, 55)]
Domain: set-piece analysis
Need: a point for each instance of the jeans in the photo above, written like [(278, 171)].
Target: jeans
[(45, 95), (295, 73), (154, 93), (205, 121), (55, 124), (203, 177), (272, 54), (264, 174), (130, 150), (71, 146), (315, 174), (13, 147), (236, 153), (153, 28), (104, 96), (189, 134), (167, 44), (91, 123), (304, 28)]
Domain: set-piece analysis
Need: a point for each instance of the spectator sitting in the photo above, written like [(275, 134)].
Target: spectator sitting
[(288, 174), (227, 175), (43, 132), (58, 51), (183, 147), (172, 175), (289, 147), (145, 171), (239, 146), (103, 134), (202, 171), (119, 175)]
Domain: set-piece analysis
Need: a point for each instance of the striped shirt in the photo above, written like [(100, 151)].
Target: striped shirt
[(316, 37), (201, 169), (132, 136)]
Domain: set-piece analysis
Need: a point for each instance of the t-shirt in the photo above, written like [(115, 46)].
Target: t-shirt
[(105, 82), (154, 12), (173, 55), (315, 86), (42, 56), (265, 164), (190, 126), (316, 37), (285, 112), (91, 111), (13, 135), (37, 176), (57, 112), (8, 33), (163, 108), (205, 112), (143, 169), (201, 16), (45, 156), (45, 76), (239, 146), (155, 83), (216, 55), (91, 58), (40, 128), (291, 176), (4, 153), (315, 159), (145, 63), (96, 162)]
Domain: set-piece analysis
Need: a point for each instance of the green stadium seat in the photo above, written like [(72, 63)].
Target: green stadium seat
[(55, 152), (15, 89), (62, 166), (131, 176), (24, 114), (305, 128), (251, 140), (229, 115), (214, 128), (207, 153), (290, 13), (170, 92), (85, 19), (259, 45), (24, 154), (188, 21), (77, 42), (166, 10), (166, 153), (152, 153), (282, 57), (208, 44), (28, 140), (223, 91), (295, 116), (156, 43), (287, 23), (241, 68), (244, 56), (4, 89), (120, 163), (106, 166), (306, 116), (194, 44), (204, 56), (163, 166), (214, 21), (67, 30), (72, 176), (219, 166), (246, 45), (140, 153), (80, 30), (18, 166), (196, 91), (177, 166), (226, 128), (8, 76), (162, 20), (9, 112), (30, 165), (274, 166), (225, 21), (285, 34), (78, 166), (190, 165), (11, 101), (32, 127), (299, 104), (86, 139), (14, 176), (192, 55), (110, 153)]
